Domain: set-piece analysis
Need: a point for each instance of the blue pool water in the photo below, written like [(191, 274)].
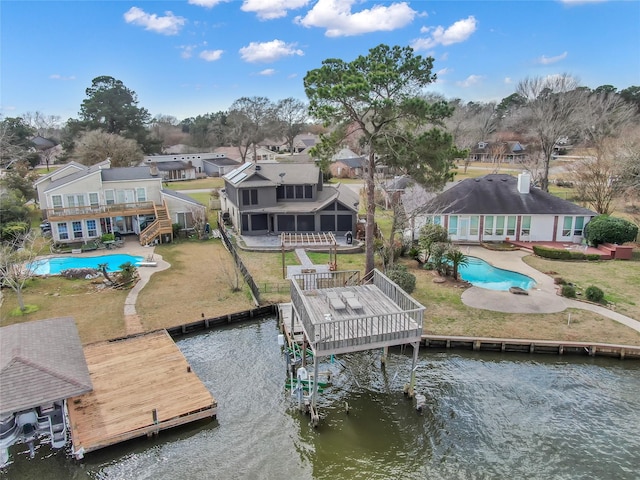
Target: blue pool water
[(481, 274), (54, 265)]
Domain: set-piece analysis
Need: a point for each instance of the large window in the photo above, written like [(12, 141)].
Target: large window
[(525, 228), (56, 201), (578, 228), (77, 229), (63, 232), (473, 225), (453, 225), (109, 197), (306, 223), (500, 225), (328, 223), (250, 197), (308, 191), (566, 226), (511, 226), (141, 194), (345, 223), (91, 228), (259, 222), (93, 200), (488, 225), (75, 200), (286, 223)]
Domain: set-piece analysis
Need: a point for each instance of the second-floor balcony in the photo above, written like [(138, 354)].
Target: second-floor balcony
[(100, 211)]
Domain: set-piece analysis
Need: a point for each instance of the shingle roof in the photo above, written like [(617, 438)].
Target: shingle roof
[(126, 173), (41, 362), (173, 165), (222, 161), (328, 194), (179, 196), (356, 162), (498, 194)]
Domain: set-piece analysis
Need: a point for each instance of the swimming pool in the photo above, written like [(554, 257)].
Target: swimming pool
[(54, 265), (481, 274)]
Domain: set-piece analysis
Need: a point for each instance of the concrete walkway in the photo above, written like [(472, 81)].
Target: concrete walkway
[(541, 299)]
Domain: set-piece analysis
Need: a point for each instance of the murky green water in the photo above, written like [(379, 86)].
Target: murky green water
[(489, 416)]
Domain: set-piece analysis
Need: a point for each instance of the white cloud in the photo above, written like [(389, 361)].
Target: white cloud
[(508, 80), (456, 33), (267, 72), (442, 71), (56, 76), (337, 18), (211, 55), (207, 3), (187, 50), (270, 9), (167, 25), (470, 81), (268, 51), (544, 60)]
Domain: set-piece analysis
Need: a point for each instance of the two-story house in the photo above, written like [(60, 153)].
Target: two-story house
[(286, 197), (82, 203)]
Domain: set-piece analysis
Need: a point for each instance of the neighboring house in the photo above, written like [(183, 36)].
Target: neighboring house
[(415, 199), (498, 207), (175, 170), (217, 167), (346, 164), (261, 154), (42, 364), (82, 203), (196, 160), (286, 197), (230, 152), (498, 152), (393, 189)]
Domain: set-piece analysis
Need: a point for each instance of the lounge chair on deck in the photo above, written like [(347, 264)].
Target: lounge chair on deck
[(352, 300), (335, 302)]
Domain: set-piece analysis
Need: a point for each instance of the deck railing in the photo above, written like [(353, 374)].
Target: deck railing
[(113, 210), (339, 334)]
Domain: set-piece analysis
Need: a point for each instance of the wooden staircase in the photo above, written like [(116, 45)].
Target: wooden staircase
[(161, 225)]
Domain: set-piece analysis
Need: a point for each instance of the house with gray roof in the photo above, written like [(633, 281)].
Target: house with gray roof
[(500, 207), (42, 364), (271, 198), (82, 203)]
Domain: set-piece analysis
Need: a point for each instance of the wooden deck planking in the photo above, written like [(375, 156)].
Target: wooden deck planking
[(131, 378)]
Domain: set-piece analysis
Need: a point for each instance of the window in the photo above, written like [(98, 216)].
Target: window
[(141, 194), (328, 223), (473, 225), (250, 197), (77, 229), (306, 223), (566, 226), (453, 225), (289, 191), (500, 225), (511, 226), (109, 197), (56, 201), (308, 191), (578, 228), (93, 199), (280, 192), (488, 225), (299, 191), (75, 200), (259, 222), (63, 232), (91, 228), (286, 223), (345, 223), (525, 228)]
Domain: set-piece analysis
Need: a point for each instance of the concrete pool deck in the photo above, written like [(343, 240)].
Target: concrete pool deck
[(542, 297)]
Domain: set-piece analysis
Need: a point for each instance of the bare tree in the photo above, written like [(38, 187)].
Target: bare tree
[(96, 146), (596, 181), (17, 264), (250, 121), (46, 126), (231, 273), (199, 220), (551, 111), (291, 115)]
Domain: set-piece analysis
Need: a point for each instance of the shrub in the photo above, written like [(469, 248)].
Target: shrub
[(606, 229), (108, 237), (594, 294), (404, 279), (568, 291), (559, 281)]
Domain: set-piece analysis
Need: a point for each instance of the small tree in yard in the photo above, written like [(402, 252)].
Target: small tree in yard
[(17, 264), (430, 235), (405, 279), (457, 259), (606, 229)]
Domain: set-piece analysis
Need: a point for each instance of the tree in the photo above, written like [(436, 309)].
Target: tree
[(112, 107), (430, 235), (606, 229), (631, 95), (250, 120), (21, 179), (291, 115), (97, 146), (12, 208), (18, 264), (400, 275), (457, 260), (15, 141), (550, 112), (596, 182), (378, 94)]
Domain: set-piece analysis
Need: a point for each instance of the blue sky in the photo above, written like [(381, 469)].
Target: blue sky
[(185, 58)]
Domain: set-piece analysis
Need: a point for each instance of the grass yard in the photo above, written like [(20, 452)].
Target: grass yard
[(266, 270), (198, 282)]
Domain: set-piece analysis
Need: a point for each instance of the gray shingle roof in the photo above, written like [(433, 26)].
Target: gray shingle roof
[(173, 165), (498, 194), (222, 161), (41, 362), (179, 196), (126, 173)]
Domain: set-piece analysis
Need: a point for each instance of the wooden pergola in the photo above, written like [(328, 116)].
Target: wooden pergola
[(322, 239)]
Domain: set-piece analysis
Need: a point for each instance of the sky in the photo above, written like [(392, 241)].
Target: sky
[(192, 57)]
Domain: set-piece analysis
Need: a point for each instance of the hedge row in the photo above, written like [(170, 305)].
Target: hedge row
[(557, 254)]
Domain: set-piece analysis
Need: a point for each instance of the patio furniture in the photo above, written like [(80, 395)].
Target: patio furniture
[(352, 300), (335, 302)]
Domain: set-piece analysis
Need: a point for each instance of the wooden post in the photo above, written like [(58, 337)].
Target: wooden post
[(385, 352), (414, 365)]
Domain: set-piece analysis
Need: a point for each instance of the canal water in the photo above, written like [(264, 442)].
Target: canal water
[(488, 416)]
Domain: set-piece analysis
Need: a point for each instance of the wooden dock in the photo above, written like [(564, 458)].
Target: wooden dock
[(141, 385)]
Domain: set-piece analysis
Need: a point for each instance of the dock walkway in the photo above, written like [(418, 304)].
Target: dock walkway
[(141, 385)]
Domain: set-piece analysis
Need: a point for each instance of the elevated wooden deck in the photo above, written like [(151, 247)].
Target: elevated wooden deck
[(141, 385), (99, 211), (384, 315)]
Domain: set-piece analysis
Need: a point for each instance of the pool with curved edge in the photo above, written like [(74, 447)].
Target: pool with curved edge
[(484, 275), (54, 265)]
